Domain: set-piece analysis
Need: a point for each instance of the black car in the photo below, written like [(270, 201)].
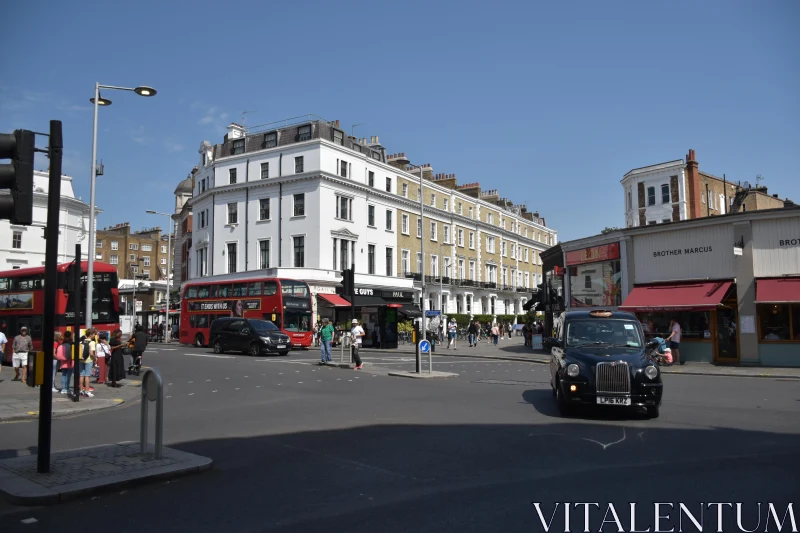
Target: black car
[(599, 358), (248, 335)]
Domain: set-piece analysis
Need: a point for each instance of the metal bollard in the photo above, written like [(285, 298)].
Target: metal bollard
[(152, 391)]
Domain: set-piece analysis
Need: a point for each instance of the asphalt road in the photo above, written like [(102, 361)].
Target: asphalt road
[(298, 447)]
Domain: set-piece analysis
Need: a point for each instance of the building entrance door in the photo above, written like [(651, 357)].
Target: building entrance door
[(726, 338)]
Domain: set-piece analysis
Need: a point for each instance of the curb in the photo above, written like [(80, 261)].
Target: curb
[(664, 371), (34, 415)]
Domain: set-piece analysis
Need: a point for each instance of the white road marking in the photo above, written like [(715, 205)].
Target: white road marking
[(299, 382), (191, 394), (213, 391), (610, 443), (29, 521), (209, 355)]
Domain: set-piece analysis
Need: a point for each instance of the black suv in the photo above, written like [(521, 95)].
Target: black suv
[(248, 335)]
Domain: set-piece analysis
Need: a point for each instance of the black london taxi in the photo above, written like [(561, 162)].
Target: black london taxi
[(248, 335), (599, 358)]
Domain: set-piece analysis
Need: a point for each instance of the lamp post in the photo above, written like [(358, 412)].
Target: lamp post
[(169, 266), (98, 101)]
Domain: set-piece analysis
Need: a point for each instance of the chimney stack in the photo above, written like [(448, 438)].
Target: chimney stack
[(693, 182)]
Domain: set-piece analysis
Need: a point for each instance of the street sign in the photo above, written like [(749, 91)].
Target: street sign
[(424, 346), (433, 313)]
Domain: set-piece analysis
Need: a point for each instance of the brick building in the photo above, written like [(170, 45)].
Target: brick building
[(141, 254)]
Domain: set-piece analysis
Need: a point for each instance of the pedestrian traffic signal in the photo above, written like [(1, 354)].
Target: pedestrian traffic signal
[(17, 176), (348, 282)]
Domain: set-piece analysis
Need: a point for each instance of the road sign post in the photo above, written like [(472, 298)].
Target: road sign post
[(424, 346)]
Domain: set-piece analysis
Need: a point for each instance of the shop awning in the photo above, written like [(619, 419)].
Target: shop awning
[(410, 311), (776, 291), (702, 296), (334, 299)]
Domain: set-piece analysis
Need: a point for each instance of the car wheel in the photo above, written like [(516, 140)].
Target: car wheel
[(199, 341), (217, 347), (283, 354), (563, 406), (255, 349), (652, 412)]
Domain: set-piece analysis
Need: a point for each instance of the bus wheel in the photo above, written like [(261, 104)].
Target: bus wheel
[(199, 341)]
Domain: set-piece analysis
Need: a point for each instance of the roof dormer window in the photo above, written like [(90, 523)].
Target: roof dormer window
[(304, 133), (271, 139), (338, 137), (238, 147)]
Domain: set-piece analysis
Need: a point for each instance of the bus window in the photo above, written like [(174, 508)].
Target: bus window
[(297, 320), (270, 288), (240, 289), (294, 288), (254, 289), (202, 291), (191, 292), (213, 291), (202, 321), (224, 291), (4, 284)]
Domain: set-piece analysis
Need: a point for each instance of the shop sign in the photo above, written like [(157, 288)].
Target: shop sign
[(391, 295), (321, 289), (684, 251), (605, 252), (776, 246), (361, 291)]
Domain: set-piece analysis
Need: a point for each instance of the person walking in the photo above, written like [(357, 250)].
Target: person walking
[(674, 340), (21, 346), (358, 334), (495, 334), (452, 333), (472, 334), (65, 361), (57, 336), (88, 357), (139, 346), (3, 342), (510, 328), (325, 337), (116, 365), (104, 351)]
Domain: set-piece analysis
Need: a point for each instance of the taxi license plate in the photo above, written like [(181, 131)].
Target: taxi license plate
[(281, 346), (612, 400)]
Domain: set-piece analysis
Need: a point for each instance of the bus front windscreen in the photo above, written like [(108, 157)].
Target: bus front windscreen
[(299, 321), (298, 289)]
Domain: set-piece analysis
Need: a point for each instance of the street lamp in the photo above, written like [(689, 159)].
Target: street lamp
[(99, 101), (169, 266)]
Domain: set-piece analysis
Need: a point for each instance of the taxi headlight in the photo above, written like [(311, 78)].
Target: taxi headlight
[(573, 370), (651, 371)]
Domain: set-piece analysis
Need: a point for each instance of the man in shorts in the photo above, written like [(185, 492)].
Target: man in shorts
[(22, 345)]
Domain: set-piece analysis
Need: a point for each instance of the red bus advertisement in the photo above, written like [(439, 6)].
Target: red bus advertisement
[(284, 302), (22, 302)]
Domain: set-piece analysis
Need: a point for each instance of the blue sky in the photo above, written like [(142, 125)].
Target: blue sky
[(549, 102)]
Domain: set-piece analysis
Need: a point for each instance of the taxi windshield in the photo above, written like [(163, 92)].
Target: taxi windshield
[(605, 332)]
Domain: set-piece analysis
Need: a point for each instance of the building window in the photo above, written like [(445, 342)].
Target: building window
[(665, 194), (298, 164), (630, 203), (98, 243), (232, 174), (666, 221), (338, 137), (490, 244), (147, 247), (460, 269), (433, 231), (146, 260), (445, 204), (114, 245), (264, 171), (778, 322), (433, 200), (371, 178), (419, 227), (389, 218), (263, 209), (503, 249), (233, 213), (133, 246), (460, 209), (132, 258), (343, 168), (231, 251), (16, 240), (419, 194), (471, 212), (404, 226), (114, 259), (472, 240), (490, 218), (526, 254), (135, 269), (405, 190), (388, 184), (304, 133), (461, 237), (371, 259), (446, 233), (434, 265), (371, 216), (469, 303), (419, 263), (344, 247), (271, 139), (651, 196), (344, 208), (389, 262), (299, 204), (299, 251), (263, 254), (238, 147), (163, 260), (405, 260)]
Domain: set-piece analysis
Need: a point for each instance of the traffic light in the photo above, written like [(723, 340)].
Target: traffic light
[(17, 176), (348, 282)]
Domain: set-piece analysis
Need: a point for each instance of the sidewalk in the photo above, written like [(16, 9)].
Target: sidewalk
[(21, 402), (514, 349)]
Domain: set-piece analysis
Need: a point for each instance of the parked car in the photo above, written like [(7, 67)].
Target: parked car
[(248, 335), (599, 358)]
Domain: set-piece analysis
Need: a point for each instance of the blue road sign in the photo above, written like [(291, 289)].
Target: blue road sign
[(424, 346), (433, 313)]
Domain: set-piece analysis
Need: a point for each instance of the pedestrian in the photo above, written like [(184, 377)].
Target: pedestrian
[(21, 346), (358, 334), (674, 340), (65, 361), (3, 342), (325, 336), (139, 340), (116, 366), (510, 328), (57, 337), (452, 331), (495, 334), (472, 333), (104, 351), (88, 358)]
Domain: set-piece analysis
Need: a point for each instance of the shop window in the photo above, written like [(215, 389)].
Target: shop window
[(596, 284), (694, 324), (779, 322)]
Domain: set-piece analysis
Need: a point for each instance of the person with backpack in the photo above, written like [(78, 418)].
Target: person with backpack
[(139, 341), (87, 360)]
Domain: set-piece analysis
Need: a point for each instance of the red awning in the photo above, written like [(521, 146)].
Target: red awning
[(775, 291), (703, 296), (334, 299)]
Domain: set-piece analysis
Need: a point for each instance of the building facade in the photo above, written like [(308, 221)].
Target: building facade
[(182, 220), (24, 246), (732, 283), (137, 255), (309, 199), (678, 190)]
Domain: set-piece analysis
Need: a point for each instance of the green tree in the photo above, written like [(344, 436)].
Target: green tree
[(610, 229)]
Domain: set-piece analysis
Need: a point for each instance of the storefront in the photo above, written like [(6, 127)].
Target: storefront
[(379, 310)]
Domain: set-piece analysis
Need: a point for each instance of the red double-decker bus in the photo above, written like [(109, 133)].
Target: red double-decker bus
[(22, 301), (285, 302)]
